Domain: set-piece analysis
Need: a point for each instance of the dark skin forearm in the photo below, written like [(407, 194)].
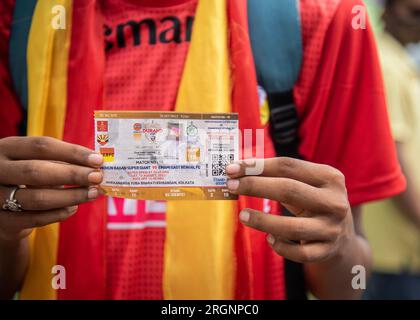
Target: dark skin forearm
[(14, 257), (331, 279), (408, 200)]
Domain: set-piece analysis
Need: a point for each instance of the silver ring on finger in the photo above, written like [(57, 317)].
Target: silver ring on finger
[(12, 204)]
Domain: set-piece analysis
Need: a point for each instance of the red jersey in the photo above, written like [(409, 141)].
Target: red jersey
[(339, 98)]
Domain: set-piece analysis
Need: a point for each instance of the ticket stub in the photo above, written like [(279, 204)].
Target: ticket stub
[(166, 155)]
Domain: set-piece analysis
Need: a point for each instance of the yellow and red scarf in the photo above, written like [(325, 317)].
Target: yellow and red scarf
[(208, 254)]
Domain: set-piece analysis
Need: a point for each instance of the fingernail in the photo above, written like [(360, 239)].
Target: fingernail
[(232, 184), (95, 159), (95, 177), (270, 239), (72, 210), (93, 193), (233, 168), (244, 216)]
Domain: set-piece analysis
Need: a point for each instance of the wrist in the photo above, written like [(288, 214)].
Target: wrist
[(11, 243), (10, 239), (353, 250)]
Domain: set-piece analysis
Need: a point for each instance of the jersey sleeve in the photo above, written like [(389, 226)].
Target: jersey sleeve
[(344, 121), (10, 112)]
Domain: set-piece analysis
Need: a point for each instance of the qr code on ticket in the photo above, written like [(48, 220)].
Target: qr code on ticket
[(219, 163)]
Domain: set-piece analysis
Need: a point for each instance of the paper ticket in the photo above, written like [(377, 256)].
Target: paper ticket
[(166, 155)]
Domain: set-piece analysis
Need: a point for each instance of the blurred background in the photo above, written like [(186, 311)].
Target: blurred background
[(393, 226)]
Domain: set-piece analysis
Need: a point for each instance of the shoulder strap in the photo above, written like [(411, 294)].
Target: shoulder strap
[(275, 32), (276, 40)]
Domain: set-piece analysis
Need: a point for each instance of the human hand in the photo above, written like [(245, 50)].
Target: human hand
[(44, 165), (315, 193)]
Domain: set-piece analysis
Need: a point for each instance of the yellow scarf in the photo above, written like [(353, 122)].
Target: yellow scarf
[(199, 250)]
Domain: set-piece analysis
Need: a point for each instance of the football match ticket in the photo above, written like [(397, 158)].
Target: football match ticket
[(166, 155)]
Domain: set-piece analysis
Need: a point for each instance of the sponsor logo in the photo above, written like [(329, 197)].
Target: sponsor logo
[(192, 133), (192, 130), (102, 126), (102, 139), (168, 30), (137, 126), (137, 130), (151, 130), (108, 154)]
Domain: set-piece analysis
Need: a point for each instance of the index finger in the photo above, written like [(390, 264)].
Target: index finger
[(314, 174), (47, 148), (290, 228)]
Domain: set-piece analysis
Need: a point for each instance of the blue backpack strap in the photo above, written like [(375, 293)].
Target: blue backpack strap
[(276, 39)]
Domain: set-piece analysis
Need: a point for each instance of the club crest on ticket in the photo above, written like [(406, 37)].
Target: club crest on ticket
[(166, 155)]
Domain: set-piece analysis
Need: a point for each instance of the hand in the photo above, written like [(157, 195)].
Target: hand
[(44, 165), (315, 193)]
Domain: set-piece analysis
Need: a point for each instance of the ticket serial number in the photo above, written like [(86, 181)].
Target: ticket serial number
[(166, 155)]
